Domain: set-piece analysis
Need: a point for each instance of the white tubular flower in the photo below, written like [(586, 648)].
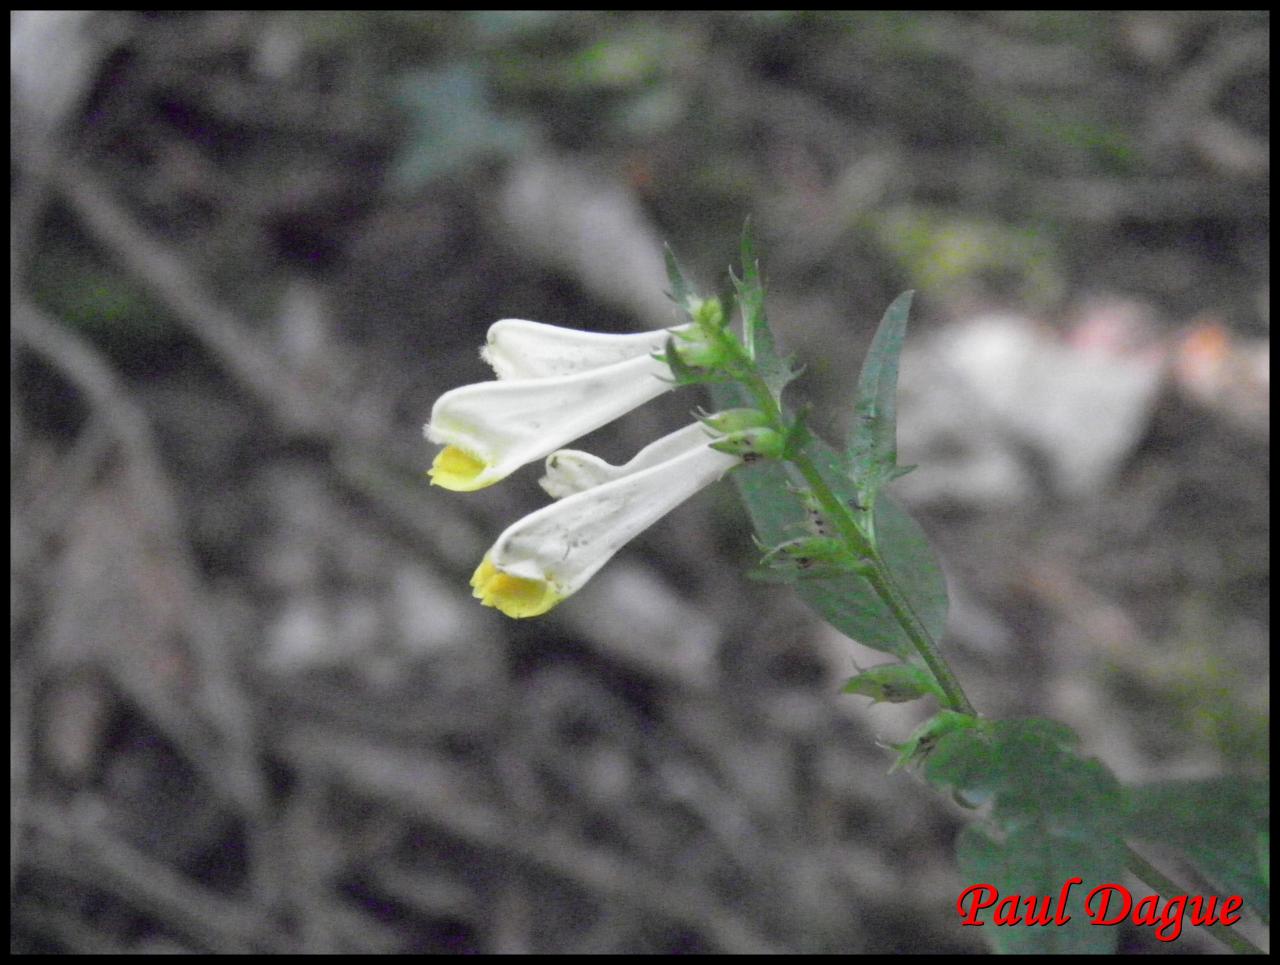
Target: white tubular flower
[(491, 429), (549, 554), (572, 471), (531, 350)]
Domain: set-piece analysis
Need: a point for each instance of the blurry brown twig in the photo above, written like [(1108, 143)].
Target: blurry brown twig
[(246, 357), (430, 794), (147, 480)]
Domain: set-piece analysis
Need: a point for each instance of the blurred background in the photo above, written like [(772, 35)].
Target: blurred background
[(253, 706)]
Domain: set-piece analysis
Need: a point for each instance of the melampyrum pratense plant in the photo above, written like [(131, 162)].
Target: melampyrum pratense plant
[(1044, 816)]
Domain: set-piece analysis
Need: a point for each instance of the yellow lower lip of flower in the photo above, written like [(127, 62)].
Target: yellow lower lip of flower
[(457, 469), (516, 596)]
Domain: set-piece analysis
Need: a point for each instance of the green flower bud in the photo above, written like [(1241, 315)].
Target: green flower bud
[(735, 420), (707, 313), (699, 350)]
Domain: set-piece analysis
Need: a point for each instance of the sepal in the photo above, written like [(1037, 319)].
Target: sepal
[(809, 557), (916, 748), (686, 363), (752, 444)]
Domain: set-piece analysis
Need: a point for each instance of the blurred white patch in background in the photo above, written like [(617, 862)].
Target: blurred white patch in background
[(987, 396), (51, 56)]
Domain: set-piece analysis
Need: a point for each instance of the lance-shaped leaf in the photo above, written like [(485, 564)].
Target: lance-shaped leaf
[(680, 290), (772, 495), (757, 337), (894, 683), (873, 439)]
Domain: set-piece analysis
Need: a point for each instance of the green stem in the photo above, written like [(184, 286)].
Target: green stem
[(878, 575), (1167, 888), (881, 580)]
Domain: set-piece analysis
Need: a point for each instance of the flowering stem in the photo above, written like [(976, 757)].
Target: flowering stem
[(877, 573), (881, 579), (860, 546)]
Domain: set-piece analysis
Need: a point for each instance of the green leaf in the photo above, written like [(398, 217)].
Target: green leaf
[(757, 337), (993, 759), (893, 683), (851, 606), (1221, 824), (680, 290), (873, 439), (846, 601), (1054, 816), (1032, 861)]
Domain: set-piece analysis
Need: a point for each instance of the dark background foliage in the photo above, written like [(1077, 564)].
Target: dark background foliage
[(253, 706)]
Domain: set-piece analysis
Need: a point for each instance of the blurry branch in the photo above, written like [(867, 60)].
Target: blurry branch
[(425, 789), (1190, 115), (91, 375), (993, 56), (383, 466), (1229, 55), (1110, 200), (73, 842), (1098, 199), (74, 935), (220, 699), (20, 717), (245, 356), (1230, 148), (51, 507)]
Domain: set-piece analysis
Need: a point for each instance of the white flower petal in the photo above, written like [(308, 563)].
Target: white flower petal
[(549, 554), (572, 471), (493, 428), (518, 349)]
